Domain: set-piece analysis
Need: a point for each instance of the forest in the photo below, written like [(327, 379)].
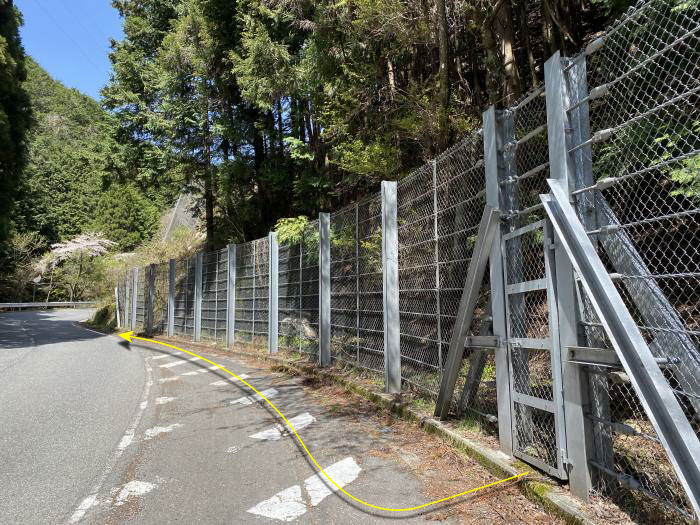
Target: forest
[(260, 109)]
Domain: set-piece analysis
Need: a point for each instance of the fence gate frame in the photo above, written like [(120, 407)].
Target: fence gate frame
[(522, 401)]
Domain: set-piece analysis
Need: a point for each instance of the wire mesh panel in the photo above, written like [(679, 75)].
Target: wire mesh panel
[(140, 298), (370, 284), (160, 298), (345, 338), (640, 206), (289, 316), (184, 296), (439, 209), (261, 290), (308, 279), (252, 288), (214, 290), (245, 292)]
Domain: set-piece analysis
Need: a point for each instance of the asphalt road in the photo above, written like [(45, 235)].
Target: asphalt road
[(94, 431)]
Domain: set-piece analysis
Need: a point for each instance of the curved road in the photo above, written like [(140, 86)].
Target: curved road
[(63, 411), (93, 430)]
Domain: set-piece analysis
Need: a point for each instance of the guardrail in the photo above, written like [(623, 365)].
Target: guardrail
[(50, 304)]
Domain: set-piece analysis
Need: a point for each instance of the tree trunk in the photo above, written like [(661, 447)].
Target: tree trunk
[(444, 75), (503, 25)]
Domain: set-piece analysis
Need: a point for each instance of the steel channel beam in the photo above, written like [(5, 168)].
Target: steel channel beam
[(465, 313)]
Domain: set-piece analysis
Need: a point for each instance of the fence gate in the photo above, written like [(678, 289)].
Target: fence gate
[(537, 410)]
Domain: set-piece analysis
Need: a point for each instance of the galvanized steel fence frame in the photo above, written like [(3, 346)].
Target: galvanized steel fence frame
[(613, 133)]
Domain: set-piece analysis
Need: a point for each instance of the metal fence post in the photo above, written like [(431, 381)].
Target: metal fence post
[(575, 392), (117, 306), (231, 297), (198, 296), (390, 275), (273, 293), (498, 307), (172, 276), (324, 289), (134, 296)]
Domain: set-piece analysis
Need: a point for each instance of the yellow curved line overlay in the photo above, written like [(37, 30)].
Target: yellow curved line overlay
[(128, 337)]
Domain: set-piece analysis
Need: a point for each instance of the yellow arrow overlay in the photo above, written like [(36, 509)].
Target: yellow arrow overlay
[(129, 336)]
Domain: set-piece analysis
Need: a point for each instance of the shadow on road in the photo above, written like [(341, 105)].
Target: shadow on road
[(32, 328)]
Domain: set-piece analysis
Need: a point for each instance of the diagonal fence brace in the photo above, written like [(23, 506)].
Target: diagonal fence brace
[(465, 313), (656, 395)]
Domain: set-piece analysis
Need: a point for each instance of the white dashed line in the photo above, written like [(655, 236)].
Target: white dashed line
[(249, 400), (164, 400), (153, 432), (343, 472), (288, 505), (233, 449), (167, 379), (131, 489), (279, 431), (179, 362), (224, 382), (125, 441), (155, 358)]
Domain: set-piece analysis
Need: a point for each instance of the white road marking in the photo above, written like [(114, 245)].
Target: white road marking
[(83, 507), (279, 430), (160, 357), (125, 441), (179, 362), (167, 379), (343, 472), (249, 400), (233, 449), (164, 400), (133, 488), (153, 432), (286, 505), (224, 382)]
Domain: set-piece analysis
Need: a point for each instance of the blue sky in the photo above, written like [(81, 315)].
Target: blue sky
[(70, 39)]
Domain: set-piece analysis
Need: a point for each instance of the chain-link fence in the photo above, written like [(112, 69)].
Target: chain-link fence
[(184, 296), (214, 294), (639, 201), (632, 104)]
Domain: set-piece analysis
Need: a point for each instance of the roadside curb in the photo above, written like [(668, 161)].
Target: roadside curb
[(546, 494)]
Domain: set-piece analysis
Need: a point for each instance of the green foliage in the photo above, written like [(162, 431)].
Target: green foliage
[(290, 230), (125, 216), (69, 160), (687, 176), (15, 114)]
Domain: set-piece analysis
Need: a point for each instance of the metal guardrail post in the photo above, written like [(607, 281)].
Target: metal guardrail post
[(172, 278), (390, 274), (231, 297), (198, 296), (324, 289), (149, 298), (574, 385), (498, 305), (134, 296), (273, 293)]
